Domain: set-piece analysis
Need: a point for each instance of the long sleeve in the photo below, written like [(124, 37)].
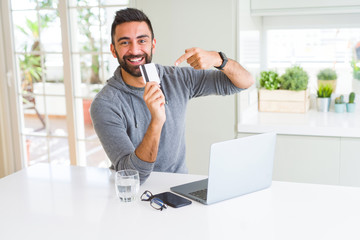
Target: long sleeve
[(110, 126)]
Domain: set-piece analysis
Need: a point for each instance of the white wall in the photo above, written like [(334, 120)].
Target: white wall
[(211, 25)]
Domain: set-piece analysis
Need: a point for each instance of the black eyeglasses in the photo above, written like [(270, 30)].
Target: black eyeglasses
[(155, 202)]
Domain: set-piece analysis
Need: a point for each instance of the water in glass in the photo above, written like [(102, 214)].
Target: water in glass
[(127, 185)]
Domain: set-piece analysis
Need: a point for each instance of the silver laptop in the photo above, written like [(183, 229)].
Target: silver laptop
[(237, 167)]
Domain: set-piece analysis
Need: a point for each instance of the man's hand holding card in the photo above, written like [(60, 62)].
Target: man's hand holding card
[(153, 95)]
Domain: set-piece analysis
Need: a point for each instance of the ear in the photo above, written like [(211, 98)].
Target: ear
[(153, 45), (112, 49)]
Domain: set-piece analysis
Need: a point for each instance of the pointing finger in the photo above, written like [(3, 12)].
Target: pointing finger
[(188, 54)]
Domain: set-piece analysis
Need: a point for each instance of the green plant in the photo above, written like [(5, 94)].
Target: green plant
[(30, 69), (325, 91), (339, 100), (352, 97), (30, 62), (327, 74), (269, 80), (294, 78)]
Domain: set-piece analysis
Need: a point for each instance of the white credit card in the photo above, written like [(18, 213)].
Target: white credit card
[(149, 73)]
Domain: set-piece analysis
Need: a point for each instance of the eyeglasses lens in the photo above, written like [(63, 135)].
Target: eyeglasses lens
[(158, 204)]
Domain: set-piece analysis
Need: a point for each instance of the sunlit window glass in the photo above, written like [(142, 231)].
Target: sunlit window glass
[(316, 49), (39, 53)]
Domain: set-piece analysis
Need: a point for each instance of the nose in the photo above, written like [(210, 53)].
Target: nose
[(134, 48)]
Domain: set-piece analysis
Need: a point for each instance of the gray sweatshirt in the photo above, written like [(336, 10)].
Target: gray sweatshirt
[(121, 117)]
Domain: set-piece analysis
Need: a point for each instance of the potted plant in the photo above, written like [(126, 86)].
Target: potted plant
[(269, 80), (287, 93), (327, 76), (339, 104), (350, 106), (295, 79), (324, 97)]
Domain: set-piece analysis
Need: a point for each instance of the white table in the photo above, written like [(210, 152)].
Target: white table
[(60, 202)]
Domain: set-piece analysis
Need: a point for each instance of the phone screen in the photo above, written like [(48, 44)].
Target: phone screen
[(173, 200)]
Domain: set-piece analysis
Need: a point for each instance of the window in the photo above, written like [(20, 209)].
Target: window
[(48, 125), (39, 59), (312, 41), (315, 49)]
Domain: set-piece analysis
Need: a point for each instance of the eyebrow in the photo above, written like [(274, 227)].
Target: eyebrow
[(138, 37)]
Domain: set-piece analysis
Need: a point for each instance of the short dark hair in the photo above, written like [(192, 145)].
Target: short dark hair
[(130, 15)]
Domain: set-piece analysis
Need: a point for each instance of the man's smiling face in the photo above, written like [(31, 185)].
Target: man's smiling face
[(133, 46)]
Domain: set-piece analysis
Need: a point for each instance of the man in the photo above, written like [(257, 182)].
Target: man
[(142, 126)]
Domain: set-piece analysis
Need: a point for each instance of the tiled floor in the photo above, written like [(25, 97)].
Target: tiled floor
[(55, 148)]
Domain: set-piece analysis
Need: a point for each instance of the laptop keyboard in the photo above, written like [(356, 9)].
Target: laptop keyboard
[(200, 194)]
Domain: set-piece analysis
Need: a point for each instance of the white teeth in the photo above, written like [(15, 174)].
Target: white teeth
[(135, 60)]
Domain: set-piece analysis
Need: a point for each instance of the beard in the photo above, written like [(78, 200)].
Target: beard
[(133, 71)]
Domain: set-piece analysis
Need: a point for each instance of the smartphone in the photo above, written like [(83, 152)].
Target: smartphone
[(173, 200)]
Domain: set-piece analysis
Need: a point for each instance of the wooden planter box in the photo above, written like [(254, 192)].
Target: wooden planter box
[(284, 101)]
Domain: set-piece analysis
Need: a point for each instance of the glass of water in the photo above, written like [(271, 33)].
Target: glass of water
[(127, 184)]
